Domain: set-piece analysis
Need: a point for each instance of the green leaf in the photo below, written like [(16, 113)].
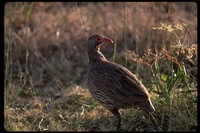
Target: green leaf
[(164, 77)]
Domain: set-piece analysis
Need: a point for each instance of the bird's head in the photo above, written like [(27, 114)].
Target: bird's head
[(96, 41)]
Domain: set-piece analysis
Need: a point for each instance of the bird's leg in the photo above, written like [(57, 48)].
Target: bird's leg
[(117, 114), (154, 123)]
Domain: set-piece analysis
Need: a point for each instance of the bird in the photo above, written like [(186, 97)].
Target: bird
[(113, 85)]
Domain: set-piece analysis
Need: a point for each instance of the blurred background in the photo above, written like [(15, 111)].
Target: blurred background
[(45, 58)]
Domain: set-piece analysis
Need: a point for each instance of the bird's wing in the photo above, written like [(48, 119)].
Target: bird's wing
[(122, 82)]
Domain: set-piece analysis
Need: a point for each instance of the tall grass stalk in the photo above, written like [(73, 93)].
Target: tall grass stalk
[(126, 54), (116, 31), (170, 115), (27, 75), (8, 63), (134, 29), (82, 26)]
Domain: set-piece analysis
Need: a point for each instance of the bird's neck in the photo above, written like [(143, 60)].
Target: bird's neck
[(95, 56)]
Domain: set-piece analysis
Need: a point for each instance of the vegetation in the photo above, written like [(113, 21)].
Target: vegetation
[(45, 62)]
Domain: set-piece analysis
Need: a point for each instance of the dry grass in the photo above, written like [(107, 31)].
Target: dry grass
[(47, 92)]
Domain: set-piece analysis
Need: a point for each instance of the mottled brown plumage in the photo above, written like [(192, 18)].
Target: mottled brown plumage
[(113, 85)]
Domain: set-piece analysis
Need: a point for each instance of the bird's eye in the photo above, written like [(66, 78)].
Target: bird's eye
[(98, 38)]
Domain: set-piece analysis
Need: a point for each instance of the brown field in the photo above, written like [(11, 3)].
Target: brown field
[(46, 60)]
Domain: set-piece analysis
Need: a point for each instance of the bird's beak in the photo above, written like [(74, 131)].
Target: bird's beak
[(108, 40)]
